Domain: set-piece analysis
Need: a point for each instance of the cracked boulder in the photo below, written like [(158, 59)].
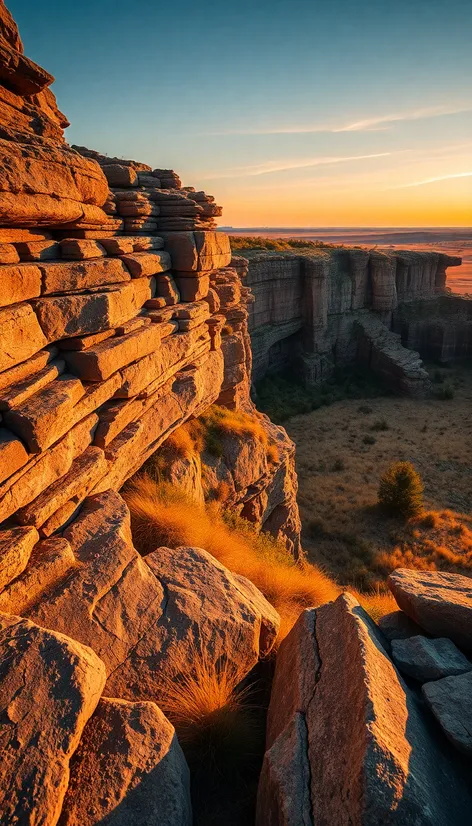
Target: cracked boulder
[(348, 743), (146, 618), (49, 687), (128, 770)]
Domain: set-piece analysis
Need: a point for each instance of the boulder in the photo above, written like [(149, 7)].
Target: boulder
[(16, 545), (398, 626), (371, 754), (49, 687), (449, 700), (441, 603), (426, 659), (145, 618), (128, 769)]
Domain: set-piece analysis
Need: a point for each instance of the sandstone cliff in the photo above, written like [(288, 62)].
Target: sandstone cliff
[(331, 307)]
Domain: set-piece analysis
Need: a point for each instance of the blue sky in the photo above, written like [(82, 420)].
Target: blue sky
[(306, 113)]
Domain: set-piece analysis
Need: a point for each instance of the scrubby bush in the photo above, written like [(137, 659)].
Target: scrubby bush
[(401, 490), (446, 392), (369, 440), (380, 425), (365, 409), (338, 465)]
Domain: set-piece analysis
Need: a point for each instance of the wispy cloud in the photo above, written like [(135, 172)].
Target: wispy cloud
[(433, 180), (284, 165), (374, 124)]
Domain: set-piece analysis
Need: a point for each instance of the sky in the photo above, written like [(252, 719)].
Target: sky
[(291, 112)]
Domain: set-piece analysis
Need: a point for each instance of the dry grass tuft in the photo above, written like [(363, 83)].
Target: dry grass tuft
[(162, 516)]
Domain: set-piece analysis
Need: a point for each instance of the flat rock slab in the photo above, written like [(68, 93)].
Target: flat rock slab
[(450, 701), (429, 659), (372, 756), (100, 361), (15, 550), (16, 394), (38, 419), (147, 263), (78, 275), (440, 603), (27, 368), (77, 315), (49, 687), (128, 769)]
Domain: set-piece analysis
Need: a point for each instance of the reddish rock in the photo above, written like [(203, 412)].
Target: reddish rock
[(441, 603), (38, 420), (19, 282), (197, 250), (48, 564), (99, 362), (8, 254), (15, 550), (65, 276), (83, 342), (27, 368), (20, 335), (83, 475), (44, 468), (193, 287), (49, 687), (13, 454), (147, 263), (75, 315), (38, 250), (372, 756), (81, 249), (129, 765), (16, 394)]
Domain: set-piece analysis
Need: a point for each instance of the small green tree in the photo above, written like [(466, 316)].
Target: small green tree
[(401, 490)]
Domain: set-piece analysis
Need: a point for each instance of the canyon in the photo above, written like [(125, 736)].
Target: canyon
[(127, 330)]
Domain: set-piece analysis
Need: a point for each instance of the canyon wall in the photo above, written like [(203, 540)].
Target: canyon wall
[(325, 308)]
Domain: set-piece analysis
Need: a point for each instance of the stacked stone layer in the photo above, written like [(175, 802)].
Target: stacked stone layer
[(311, 310)]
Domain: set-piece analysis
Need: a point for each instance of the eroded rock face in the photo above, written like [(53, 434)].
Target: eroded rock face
[(49, 687), (308, 306), (129, 770), (147, 618), (372, 758), (441, 603)]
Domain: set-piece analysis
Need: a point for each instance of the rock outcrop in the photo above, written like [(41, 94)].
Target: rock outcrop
[(348, 741), (128, 769), (310, 307)]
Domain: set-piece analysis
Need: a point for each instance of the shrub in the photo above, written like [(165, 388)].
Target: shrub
[(369, 440), (338, 465), (380, 424), (401, 490), (364, 408), (430, 520), (445, 393)]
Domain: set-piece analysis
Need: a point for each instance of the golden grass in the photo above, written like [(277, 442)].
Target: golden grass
[(205, 701), (162, 516)]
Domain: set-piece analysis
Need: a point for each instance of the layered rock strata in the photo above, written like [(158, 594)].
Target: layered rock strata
[(120, 318), (310, 307)]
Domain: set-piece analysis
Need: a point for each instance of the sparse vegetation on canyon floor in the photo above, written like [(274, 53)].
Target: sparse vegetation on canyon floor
[(341, 455)]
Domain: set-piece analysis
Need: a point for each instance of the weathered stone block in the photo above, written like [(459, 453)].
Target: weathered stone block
[(20, 335), (18, 282)]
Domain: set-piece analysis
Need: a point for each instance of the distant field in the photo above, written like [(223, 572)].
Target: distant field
[(448, 240)]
